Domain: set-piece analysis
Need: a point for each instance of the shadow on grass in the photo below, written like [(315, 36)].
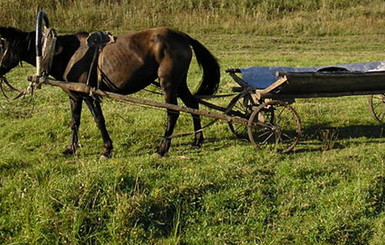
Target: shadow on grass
[(318, 137), (324, 137), (348, 132)]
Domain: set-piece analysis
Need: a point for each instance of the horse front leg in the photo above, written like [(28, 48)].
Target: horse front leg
[(97, 113), (76, 110)]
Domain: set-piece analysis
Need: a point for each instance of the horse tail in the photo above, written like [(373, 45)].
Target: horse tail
[(211, 70), (207, 62)]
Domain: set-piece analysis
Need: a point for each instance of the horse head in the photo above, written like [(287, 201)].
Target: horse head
[(12, 47)]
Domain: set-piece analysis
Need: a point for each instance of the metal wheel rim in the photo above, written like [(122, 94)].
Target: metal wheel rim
[(241, 103), (377, 107), (280, 130)]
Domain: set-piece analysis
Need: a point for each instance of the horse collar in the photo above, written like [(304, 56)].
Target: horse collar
[(97, 40), (100, 39)]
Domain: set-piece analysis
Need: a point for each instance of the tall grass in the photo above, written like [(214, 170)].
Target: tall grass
[(264, 17)]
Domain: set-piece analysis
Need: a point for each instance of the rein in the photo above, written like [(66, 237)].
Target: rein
[(98, 40), (3, 80), (4, 84)]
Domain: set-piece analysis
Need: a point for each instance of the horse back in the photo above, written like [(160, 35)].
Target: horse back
[(132, 61), (135, 60)]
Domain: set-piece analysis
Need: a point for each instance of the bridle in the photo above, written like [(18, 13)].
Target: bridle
[(3, 79), (41, 21)]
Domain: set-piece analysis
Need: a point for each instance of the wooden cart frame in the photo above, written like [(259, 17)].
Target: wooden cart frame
[(281, 125)]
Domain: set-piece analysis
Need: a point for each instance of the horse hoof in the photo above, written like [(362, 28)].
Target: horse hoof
[(161, 152), (198, 141), (197, 144), (105, 155), (68, 152), (163, 147), (103, 158)]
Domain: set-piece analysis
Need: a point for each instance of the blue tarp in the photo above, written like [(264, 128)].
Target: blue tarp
[(263, 76)]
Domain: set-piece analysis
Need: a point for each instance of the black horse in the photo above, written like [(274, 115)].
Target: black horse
[(128, 64)]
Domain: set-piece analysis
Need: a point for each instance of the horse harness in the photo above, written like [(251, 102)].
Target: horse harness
[(97, 41), (48, 48)]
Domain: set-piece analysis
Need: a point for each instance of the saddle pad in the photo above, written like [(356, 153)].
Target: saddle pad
[(99, 39)]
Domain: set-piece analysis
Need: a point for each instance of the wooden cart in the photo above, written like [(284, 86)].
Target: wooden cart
[(267, 93)]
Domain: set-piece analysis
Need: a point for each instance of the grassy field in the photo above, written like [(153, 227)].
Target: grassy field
[(330, 190), (261, 17)]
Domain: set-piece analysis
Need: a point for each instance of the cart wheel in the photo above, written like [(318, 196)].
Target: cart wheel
[(377, 107), (274, 124), (240, 106)]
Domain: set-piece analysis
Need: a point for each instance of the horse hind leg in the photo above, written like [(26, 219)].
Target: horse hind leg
[(97, 113), (76, 110), (172, 117), (189, 100), (169, 85), (172, 73)]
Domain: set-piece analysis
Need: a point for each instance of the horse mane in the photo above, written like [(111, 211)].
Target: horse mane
[(12, 33)]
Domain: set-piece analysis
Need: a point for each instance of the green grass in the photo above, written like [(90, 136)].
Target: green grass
[(331, 190)]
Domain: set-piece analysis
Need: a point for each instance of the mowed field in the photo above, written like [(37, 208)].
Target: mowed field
[(330, 190)]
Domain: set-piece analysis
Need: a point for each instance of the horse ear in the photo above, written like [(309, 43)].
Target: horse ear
[(58, 49)]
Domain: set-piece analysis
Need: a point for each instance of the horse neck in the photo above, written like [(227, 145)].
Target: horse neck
[(28, 48), (29, 55), (66, 46)]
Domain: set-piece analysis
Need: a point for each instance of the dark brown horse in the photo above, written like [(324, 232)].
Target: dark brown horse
[(125, 66)]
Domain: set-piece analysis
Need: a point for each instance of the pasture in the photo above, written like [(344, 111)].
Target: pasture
[(330, 190)]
